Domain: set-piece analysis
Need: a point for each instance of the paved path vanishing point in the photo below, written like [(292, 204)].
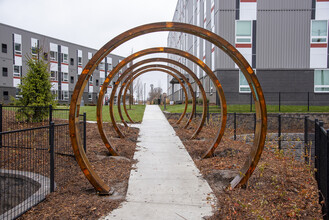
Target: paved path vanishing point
[(166, 184)]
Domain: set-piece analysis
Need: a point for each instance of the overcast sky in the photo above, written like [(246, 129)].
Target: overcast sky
[(92, 23)]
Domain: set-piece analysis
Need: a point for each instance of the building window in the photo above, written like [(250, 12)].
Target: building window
[(65, 77), (97, 83), (72, 61), (102, 66), (55, 94), (65, 95), (34, 47), (91, 79), (53, 75), (4, 48), (53, 56), (45, 56), (4, 71), (17, 71), (72, 79), (5, 95), (243, 83), (65, 58), (243, 30), (319, 31), (79, 61), (321, 80), (90, 96), (18, 48)]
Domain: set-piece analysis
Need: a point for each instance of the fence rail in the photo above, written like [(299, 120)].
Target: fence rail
[(33, 155)]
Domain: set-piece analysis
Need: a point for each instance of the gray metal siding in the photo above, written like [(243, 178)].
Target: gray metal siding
[(283, 39), (284, 4), (225, 27)]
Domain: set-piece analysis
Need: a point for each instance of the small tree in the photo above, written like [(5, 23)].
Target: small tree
[(35, 90)]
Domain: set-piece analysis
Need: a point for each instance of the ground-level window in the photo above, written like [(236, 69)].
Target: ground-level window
[(243, 83), (55, 94), (5, 95), (90, 96), (321, 80), (65, 95)]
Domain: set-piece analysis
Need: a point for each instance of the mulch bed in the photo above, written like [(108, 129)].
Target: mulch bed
[(280, 188), (74, 197)]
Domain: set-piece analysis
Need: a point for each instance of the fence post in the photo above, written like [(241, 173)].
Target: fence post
[(50, 114), (316, 148), (0, 125), (279, 101), (52, 156), (85, 132), (308, 101), (234, 125), (279, 131), (250, 101), (306, 147)]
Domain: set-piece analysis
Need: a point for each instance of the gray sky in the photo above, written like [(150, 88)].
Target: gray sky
[(93, 23)]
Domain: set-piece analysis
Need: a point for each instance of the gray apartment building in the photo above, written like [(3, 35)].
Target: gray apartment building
[(285, 41), (66, 62)]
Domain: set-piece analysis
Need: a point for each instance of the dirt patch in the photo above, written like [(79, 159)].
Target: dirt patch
[(280, 187), (75, 198)]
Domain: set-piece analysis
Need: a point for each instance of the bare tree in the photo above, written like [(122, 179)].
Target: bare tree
[(138, 89), (155, 93)]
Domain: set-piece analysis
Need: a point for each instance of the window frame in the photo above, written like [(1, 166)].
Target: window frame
[(321, 86), (244, 86), (64, 77), (17, 74), (4, 48), (18, 52), (55, 57), (317, 37), (3, 71), (56, 75), (243, 37), (66, 61)]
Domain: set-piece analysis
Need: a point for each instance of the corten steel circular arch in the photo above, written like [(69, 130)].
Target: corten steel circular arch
[(231, 51), (161, 50), (127, 82), (178, 73), (138, 73)]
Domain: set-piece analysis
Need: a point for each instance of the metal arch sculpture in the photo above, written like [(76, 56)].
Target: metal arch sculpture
[(171, 51), (127, 82), (190, 72), (231, 51), (135, 74), (178, 73)]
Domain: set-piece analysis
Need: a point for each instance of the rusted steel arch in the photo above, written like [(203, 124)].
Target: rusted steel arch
[(232, 52), (134, 75), (127, 82), (128, 70), (188, 83), (166, 60), (171, 51)]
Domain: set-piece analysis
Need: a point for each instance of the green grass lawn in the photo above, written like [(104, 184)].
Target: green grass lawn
[(246, 108), (136, 112)]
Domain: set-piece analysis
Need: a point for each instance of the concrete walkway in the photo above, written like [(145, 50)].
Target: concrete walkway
[(166, 183)]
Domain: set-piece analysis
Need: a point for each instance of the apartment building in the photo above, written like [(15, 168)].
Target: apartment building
[(66, 62), (286, 42)]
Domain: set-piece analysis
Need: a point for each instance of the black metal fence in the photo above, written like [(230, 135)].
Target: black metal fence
[(276, 101), (34, 151), (322, 165)]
